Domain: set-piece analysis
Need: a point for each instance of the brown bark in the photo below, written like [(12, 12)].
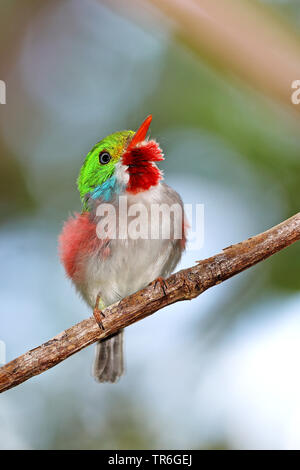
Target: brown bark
[(183, 285)]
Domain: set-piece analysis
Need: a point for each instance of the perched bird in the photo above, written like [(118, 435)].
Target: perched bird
[(105, 266)]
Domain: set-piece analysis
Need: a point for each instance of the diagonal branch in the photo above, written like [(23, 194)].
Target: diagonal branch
[(184, 285)]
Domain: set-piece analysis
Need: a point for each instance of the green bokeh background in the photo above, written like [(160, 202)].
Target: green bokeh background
[(76, 71)]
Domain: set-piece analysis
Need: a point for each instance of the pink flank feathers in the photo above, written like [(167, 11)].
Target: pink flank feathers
[(77, 241)]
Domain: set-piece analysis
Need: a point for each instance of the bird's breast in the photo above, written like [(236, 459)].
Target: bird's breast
[(119, 266)]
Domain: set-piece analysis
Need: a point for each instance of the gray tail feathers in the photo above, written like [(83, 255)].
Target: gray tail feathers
[(109, 362)]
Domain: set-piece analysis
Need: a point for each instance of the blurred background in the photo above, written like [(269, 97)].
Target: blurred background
[(218, 372)]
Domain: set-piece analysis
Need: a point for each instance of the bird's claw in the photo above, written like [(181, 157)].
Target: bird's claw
[(98, 314), (161, 281)]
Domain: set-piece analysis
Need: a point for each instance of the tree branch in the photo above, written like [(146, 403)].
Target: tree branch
[(184, 285)]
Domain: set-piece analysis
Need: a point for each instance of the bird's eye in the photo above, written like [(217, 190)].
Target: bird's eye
[(104, 157)]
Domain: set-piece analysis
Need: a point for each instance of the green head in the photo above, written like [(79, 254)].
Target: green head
[(101, 161), (122, 161)]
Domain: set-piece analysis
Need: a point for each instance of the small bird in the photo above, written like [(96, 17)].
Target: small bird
[(106, 268)]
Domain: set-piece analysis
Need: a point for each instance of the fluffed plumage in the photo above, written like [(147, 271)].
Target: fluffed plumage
[(115, 267)]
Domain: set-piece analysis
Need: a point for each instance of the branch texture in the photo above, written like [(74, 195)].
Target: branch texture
[(183, 285)]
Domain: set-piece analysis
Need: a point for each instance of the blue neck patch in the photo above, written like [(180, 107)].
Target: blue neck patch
[(107, 190)]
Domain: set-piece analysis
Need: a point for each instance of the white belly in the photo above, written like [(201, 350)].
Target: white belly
[(133, 264)]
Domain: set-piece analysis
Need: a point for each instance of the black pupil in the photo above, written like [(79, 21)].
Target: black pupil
[(104, 157)]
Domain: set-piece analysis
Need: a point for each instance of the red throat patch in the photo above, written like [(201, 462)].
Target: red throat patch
[(143, 173)]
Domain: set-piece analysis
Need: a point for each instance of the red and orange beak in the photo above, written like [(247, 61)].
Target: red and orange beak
[(140, 134)]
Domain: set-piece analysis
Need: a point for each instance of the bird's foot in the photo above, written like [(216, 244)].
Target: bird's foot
[(97, 312), (161, 281)]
